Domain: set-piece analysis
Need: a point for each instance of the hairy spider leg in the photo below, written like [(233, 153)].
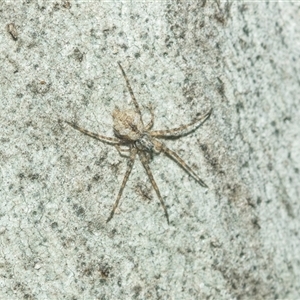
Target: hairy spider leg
[(150, 124), (179, 161), (144, 161), (182, 130), (123, 151), (102, 138), (131, 93), (130, 164)]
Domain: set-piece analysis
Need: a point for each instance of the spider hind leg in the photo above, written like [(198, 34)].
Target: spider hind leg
[(128, 171), (144, 161), (174, 156)]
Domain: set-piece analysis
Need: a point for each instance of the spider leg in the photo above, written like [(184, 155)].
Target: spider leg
[(102, 138), (182, 130), (128, 171), (123, 151), (173, 155), (144, 161), (150, 124), (131, 92)]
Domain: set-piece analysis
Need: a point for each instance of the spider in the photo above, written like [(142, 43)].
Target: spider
[(131, 132)]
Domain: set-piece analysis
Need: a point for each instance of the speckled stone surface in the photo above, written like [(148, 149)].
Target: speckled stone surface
[(239, 239)]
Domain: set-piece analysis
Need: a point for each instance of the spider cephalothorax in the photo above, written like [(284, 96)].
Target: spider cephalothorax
[(131, 131)]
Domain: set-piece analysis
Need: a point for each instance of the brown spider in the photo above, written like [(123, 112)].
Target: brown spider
[(130, 131)]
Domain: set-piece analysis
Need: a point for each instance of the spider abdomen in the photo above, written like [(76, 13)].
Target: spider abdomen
[(127, 124)]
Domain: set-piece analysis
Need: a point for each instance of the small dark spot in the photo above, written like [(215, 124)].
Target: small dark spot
[(145, 47), (239, 106), (245, 165), (250, 202), (90, 84), (54, 225), (41, 206), (203, 147), (80, 211), (119, 282), (96, 177), (66, 4), (137, 55), (215, 243), (104, 270), (34, 176), (255, 223), (99, 162), (56, 7), (87, 272), (124, 47), (21, 175), (137, 290), (270, 166), (246, 30), (289, 208), (220, 87), (78, 55)]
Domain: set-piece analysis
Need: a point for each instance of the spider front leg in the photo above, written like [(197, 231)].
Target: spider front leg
[(128, 171), (102, 138), (182, 130), (131, 92), (144, 161)]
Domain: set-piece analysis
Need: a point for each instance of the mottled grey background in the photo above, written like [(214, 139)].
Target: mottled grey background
[(239, 239)]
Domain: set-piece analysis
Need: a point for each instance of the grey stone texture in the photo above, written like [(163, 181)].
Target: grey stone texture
[(239, 239)]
